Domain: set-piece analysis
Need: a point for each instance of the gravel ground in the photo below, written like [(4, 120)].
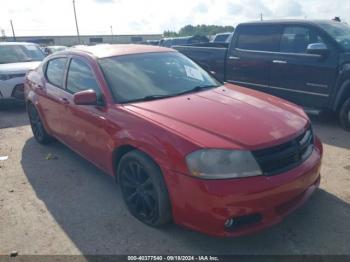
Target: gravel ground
[(68, 206)]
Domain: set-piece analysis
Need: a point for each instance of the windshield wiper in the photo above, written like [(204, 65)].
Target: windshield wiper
[(156, 97), (196, 89), (148, 98)]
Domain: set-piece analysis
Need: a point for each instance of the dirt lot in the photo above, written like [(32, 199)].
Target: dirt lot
[(67, 206)]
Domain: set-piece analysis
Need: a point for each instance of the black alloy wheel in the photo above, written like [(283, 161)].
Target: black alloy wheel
[(37, 126), (143, 189)]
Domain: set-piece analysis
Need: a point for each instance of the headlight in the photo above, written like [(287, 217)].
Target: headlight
[(222, 164), (5, 77)]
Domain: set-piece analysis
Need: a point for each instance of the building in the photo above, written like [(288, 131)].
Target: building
[(84, 39)]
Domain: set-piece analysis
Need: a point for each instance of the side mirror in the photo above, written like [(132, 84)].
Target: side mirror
[(87, 97), (317, 49)]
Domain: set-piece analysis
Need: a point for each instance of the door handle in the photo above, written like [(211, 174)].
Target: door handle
[(234, 58), (64, 101), (279, 62)]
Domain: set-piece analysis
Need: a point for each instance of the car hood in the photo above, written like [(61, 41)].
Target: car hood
[(22, 67), (229, 116)]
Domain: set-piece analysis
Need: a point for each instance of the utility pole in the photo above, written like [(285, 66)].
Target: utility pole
[(112, 33), (13, 31), (261, 17), (76, 21)]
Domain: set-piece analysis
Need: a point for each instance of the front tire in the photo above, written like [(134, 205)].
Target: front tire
[(37, 126), (143, 188), (344, 115)]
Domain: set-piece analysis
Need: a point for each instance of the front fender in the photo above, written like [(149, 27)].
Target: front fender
[(165, 148)]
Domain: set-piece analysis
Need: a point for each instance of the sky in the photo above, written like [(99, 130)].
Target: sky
[(56, 17)]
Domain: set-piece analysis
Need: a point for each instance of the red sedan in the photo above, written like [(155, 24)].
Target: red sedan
[(214, 157)]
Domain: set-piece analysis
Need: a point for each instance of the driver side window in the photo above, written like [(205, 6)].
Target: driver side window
[(80, 77), (295, 39)]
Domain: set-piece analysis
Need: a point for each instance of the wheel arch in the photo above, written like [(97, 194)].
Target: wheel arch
[(122, 150), (38, 109), (343, 94)]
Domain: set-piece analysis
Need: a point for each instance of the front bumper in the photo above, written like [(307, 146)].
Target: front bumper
[(205, 205), (12, 89)]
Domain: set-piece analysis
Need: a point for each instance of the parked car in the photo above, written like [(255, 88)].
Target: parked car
[(306, 62), (153, 42), (16, 59), (52, 49), (222, 38), (186, 40), (183, 146)]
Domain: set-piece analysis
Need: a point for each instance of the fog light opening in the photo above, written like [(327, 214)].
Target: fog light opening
[(241, 221), (229, 223)]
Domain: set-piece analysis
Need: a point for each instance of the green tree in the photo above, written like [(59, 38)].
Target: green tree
[(189, 30), (170, 34)]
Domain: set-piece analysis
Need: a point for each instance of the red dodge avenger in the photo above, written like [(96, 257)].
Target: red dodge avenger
[(217, 158)]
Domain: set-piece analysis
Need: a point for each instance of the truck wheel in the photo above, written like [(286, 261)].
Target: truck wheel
[(143, 189), (344, 115)]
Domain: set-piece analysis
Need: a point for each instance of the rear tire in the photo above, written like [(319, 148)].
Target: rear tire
[(37, 126), (344, 115), (143, 188)]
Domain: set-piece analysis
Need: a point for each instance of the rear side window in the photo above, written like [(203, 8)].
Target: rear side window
[(259, 38), (221, 38), (295, 39), (80, 77), (55, 71)]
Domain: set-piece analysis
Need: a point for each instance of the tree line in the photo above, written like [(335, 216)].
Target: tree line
[(190, 30)]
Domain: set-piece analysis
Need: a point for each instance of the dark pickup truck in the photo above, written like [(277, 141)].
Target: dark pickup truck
[(306, 62)]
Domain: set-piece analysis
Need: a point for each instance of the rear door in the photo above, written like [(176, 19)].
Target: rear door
[(51, 99), (305, 79), (251, 53)]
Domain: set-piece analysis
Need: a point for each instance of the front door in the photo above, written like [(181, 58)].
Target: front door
[(51, 95), (305, 79), (84, 124)]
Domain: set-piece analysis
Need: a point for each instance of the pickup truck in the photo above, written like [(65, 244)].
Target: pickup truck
[(305, 62)]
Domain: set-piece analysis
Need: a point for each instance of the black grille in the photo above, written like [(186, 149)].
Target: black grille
[(286, 156)]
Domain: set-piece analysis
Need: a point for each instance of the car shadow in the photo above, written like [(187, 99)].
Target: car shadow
[(12, 114), (87, 205), (330, 132)]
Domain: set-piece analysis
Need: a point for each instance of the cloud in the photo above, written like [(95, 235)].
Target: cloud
[(44, 17), (201, 8), (234, 8), (104, 1), (249, 9), (292, 8)]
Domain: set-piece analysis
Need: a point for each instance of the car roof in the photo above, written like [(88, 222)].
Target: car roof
[(288, 21), (108, 50), (16, 43)]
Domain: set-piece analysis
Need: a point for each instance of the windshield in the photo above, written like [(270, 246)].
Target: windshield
[(20, 53), (157, 75), (339, 31)]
